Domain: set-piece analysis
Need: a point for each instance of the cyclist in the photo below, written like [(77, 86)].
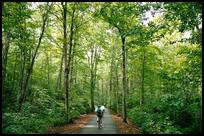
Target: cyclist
[(99, 111)]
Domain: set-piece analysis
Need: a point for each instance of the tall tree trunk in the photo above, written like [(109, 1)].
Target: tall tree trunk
[(14, 73), (111, 80), (23, 61), (93, 69), (69, 60), (92, 92), (59, 79), (5, 56), (142, 90), (23, 94), (72, 66), (127, 76), (116, 86), (48, 71), (96, 57), (128, 81), (71, 77), (30, 82), (92, 80), (15, 84), (65, 58), (124, 79), (75, 72), (102, 94)]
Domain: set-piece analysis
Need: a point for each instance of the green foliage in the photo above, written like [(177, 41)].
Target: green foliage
[(169, 113), (172, 90), (23, 123), (189, 13), (38, 114), (172, 64), (80, 106)]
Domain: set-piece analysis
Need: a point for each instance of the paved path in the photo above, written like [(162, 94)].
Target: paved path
[(108, 126)]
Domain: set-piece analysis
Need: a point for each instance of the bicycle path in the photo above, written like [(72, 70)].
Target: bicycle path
[(108, 126)]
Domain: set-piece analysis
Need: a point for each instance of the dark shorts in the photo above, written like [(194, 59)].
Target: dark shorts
[(100, 115)]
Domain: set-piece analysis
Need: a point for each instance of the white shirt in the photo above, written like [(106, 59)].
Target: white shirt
[(102, 108)]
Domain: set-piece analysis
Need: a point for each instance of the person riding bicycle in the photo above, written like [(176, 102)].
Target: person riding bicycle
[(99, 111)]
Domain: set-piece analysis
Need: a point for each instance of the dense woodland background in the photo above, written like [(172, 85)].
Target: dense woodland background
[(142, 60)]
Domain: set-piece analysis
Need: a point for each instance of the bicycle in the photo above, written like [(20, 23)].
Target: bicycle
[(100, 122)]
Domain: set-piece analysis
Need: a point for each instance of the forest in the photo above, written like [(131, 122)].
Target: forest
[(142, 60)]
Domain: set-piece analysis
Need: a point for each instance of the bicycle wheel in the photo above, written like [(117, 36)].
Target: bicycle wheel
[(99, 123)]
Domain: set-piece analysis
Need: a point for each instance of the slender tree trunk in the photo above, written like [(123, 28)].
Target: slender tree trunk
[(14, 73), (93, 63), (92, 92), (48, 71), (114, 84), (5, 56), (22, 71), (22, 96), (71, 77), (117, 87), (72, 67), (127, 77), (124, 79), (96, 57), (102, 94), (60, 73), (111, 80), (30, 82), (67, 71), (142, 90), (75, 72), (65, 58), (92, 82), (14, 78), (128, 81), (59, 79), (110, 91)]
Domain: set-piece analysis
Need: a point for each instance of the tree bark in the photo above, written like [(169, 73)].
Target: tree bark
[(48, 70), (92, 82), (5, 56), (102, 94), (65, 58), (21, 76), (59, 79), (93, 69), (96, 57), (124, 79), (142, 90), (68, 60), (14, 73), (111, 80), (116, 87)]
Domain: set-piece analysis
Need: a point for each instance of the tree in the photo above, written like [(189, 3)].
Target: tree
[(116, 16), (30, 69), (93, 57)]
